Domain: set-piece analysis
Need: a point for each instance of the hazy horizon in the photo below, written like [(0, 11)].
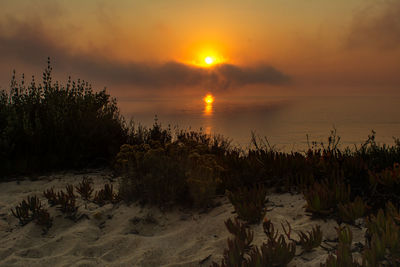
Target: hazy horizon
[(151, 56)]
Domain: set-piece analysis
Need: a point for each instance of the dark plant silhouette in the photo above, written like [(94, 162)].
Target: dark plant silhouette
[(67, 205), (32, 210), (51, 196), (52, 126), (249, 203), (105, 195), (85, 188), (311, 239), (240, 252)]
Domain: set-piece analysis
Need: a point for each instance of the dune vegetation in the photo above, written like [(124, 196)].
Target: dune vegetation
[(49, 126)]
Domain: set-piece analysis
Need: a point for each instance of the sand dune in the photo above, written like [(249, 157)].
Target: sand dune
[(121, 235)]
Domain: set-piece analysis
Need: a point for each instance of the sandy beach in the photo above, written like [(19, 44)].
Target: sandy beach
[(122, 235)]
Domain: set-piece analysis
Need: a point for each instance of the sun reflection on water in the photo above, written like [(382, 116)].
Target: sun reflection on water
[(208, 101), (208, 109)]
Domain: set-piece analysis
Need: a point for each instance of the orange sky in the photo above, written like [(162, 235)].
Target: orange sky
[(149, 47)]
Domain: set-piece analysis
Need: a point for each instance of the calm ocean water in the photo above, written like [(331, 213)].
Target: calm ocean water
[(285, 121)]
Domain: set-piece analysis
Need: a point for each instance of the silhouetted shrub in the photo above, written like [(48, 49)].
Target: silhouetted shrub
[(51, 126), (178, 171)]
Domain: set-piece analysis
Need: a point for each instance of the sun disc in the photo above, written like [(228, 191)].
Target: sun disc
[(209, 60)]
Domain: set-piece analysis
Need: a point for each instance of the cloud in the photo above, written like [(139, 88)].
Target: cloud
[(30, 43), (175, 74), (376, 26)]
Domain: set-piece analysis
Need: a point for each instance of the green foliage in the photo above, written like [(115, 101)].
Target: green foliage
[(249, 203), (164, 173), (154, 174), (32, 210), (203, 178), (351, 211), (383, 232), (50, 126), (311, 239), (344, 257), (323, 197)]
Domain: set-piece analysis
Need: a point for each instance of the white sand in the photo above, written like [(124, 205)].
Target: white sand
[(121, 235)]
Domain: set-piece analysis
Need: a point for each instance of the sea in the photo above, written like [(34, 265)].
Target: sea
[(285, 123)]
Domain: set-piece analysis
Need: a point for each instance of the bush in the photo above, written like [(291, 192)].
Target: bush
[(50, 126), (166, 173)]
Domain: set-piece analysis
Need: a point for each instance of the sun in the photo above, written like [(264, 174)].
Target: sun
[(209, 60)]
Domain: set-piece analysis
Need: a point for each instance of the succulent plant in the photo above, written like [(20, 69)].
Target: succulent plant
[(383, 237), (249, 203), (51, 196), (85, 188), (32, 210), (323, 197), (311, 239), (67, 205), (240, 252), (343, 257), (351, 211), (105, 195)]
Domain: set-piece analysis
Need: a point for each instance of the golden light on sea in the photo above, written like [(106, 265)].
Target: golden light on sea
[(209, 99)]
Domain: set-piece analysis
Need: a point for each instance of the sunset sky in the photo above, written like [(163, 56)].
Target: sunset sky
[(147, 48)]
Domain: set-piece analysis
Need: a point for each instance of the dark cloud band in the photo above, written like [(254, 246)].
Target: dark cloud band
[(29, 43)]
